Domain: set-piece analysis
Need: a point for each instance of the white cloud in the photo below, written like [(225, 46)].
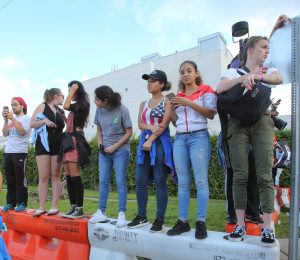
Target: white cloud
[(85, 76), (25, 84), (10, 62)]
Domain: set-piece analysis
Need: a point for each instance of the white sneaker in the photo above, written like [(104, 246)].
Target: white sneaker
[(98, 217), (121, 222)]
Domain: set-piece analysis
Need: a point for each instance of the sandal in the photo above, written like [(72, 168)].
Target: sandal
[(52, 212), (39, 212)]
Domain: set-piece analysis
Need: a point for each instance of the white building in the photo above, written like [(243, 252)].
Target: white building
[(211, 56)]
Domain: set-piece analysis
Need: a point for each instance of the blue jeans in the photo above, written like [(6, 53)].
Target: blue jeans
[(119, 160), (192, 152), (143, 177)]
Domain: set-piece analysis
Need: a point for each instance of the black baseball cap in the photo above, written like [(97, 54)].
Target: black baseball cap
[(157, 75)]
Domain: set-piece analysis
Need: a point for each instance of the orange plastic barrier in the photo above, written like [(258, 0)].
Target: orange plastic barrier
[(46, 237)]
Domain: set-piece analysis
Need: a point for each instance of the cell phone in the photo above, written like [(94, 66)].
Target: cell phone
[(101, 149), (5, 108), (170, 96)]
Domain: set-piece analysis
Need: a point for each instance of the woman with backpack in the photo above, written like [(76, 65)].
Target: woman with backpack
[(259, 135), (114, 129), (194, 104)]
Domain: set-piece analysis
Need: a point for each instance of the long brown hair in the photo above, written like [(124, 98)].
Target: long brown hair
[(198, 79)]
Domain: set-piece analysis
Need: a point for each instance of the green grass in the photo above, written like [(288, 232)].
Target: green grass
[(215, 217)]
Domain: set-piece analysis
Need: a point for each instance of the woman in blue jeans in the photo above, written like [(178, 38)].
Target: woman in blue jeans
[(114, 128), (154, 153), (194, 103)]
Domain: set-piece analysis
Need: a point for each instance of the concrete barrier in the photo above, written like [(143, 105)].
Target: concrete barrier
[(111, 243)]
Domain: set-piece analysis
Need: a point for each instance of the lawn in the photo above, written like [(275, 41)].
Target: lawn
[(215, 217)]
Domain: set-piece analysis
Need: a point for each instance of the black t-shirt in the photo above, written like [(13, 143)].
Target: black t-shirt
[(80, 114)]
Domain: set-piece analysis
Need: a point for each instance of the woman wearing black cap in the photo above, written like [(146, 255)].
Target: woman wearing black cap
[(154, 150)]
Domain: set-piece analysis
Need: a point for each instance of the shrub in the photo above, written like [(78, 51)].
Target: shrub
[(91, 179)]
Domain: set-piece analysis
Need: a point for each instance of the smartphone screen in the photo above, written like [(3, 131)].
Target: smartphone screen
[(170, 96), (5, 108)]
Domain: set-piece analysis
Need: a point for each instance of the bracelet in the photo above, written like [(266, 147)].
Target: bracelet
[(262, 77)]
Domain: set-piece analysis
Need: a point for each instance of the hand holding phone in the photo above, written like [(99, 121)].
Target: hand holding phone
[(5, 111)]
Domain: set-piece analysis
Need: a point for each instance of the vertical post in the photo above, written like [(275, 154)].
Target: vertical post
[(294, 208)]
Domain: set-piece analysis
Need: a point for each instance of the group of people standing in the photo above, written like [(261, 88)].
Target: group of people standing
[(157, 155)]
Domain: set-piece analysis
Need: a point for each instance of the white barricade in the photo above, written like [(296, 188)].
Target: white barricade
[(111, 243)]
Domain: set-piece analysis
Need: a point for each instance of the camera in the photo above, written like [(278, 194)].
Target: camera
[(278, 123)]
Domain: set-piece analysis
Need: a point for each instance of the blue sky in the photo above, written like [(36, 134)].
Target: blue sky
[(46, 44)]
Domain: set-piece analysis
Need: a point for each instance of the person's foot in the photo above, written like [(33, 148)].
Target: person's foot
[(231, 219), (39, 213), (69, 212), (78, 213), (239, 234), (201, 231), (20, 207), (52, 212), (179, 228), (121, 222), (157, 225), (98, 217), (267, 237), (138, 221), (7, 207)]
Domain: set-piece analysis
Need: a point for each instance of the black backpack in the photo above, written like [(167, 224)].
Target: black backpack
[(246, 106)]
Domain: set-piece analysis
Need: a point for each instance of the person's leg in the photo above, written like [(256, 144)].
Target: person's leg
[(120, 163), (262, 143), (238, 140), (44, 167), (10, 180), (70, 187), (105, 168), (160, 179), (77, 183), (253, 202), (142, 174), (55, 181), (183, 169), (200, 151), (20, 164), (231, 216)]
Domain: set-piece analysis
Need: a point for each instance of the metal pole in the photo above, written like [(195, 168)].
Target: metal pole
[(294, 207)]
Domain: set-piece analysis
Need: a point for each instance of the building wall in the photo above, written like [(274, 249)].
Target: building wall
[(211, 56)]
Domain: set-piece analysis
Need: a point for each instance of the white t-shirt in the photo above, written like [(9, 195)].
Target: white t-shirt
[(17, 143)]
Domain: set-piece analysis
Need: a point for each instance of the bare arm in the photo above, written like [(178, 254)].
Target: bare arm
[(99, 135), (279, 23), (123, 140), (5, 130), (70, 96), (204, 111), (274, 78), (20, 129)]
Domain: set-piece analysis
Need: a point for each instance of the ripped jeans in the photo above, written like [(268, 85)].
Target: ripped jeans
[(191, 156)]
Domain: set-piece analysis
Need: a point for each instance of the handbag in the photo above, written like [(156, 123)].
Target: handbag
[(248, 106)]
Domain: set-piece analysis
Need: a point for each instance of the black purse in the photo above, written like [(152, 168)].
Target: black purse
[(246, 106)]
